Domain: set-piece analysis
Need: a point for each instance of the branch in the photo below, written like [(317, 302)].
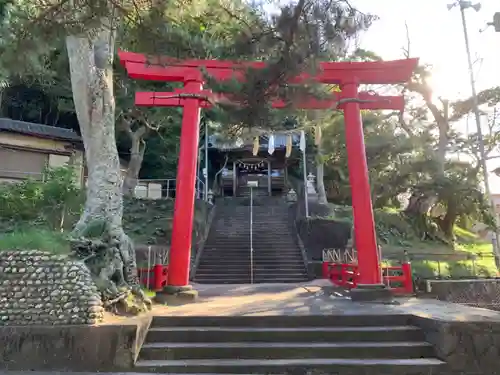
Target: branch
[(406, 51)]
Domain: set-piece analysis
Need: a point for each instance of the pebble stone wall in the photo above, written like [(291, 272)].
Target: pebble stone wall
[(38, 288)]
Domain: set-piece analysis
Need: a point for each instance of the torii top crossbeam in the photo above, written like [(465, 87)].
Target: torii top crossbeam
[(139, 66)]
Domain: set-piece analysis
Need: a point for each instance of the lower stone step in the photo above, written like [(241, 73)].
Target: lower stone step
[(280, 334), (415, 366), (286, 321), (283, 350)]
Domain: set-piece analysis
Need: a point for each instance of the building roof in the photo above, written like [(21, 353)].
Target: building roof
[(216, 142), (38, 130)]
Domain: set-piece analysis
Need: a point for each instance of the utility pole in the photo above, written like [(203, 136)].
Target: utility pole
[(475, 104)]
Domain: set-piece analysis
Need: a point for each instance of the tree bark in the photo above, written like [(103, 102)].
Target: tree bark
[(420, 204), (90, 61), (448, 221), (91, 69), (320, 177), (135, 163)]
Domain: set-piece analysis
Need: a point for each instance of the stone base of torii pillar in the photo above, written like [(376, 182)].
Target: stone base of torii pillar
[(176, 295)]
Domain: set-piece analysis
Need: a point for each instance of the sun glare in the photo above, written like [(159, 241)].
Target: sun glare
[(449, 84)]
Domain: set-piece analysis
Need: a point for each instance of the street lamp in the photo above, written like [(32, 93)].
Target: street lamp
[(496, 22), (475, 104)]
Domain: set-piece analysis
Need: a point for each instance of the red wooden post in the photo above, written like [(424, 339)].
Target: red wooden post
[(408, 277), (157, 276), (180, 250), (364, 224)]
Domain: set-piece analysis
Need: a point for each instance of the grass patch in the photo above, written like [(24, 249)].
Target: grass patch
[(35, 239), (468, 256)]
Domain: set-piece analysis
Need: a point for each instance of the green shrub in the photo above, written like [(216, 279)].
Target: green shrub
[(49, 202)]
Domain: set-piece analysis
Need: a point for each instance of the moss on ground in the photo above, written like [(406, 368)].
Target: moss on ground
[(35, 239)]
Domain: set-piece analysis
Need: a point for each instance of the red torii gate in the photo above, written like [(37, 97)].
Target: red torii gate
[(348, 75)]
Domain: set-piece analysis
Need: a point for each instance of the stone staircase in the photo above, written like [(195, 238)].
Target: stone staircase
[(335, 344), (226, 255)]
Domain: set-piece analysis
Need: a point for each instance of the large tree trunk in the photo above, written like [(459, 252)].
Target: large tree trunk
[(92, 84), (91, 69), (320, 177), (420, 204), (135, 163), (447, 223)]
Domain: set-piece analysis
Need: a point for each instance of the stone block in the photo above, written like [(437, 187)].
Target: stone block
[(39, 288)]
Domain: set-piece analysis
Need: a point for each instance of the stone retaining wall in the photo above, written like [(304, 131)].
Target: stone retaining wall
[(319, 234), (468, 347), (38, 288), (478, 293), (81, 348)]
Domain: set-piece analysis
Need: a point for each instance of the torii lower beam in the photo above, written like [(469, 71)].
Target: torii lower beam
[(368, 101)]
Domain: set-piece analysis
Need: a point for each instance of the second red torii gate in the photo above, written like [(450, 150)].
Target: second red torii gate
[(348, 75)]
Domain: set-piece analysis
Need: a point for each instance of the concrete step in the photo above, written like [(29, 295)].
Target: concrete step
[(258, 250), (282, 350), (242, 244), (417, 366), (343, 344), (287, 321), (257, 277), (261, 249), (235, 256), (269, 233), (258, 269), (283, 261), (244, 280), (244, 238), (246, 264), (209, 270), (297, 334)]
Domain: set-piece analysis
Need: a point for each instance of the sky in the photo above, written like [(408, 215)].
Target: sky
[(436, 37)]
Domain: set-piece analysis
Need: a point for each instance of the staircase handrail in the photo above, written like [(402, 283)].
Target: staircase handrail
[(251, 235)]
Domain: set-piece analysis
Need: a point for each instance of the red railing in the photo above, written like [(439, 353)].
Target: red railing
[(153, 278), (398, 278)]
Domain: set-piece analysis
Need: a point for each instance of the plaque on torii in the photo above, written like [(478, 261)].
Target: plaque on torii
[(193, 97)]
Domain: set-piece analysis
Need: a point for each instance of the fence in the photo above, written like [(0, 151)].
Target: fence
[(341, 268), (154, 278), (152, 266), (397, 278), (164, 188)]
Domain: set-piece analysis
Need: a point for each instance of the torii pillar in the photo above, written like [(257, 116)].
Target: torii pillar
[(180, 248), (365, 237)]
